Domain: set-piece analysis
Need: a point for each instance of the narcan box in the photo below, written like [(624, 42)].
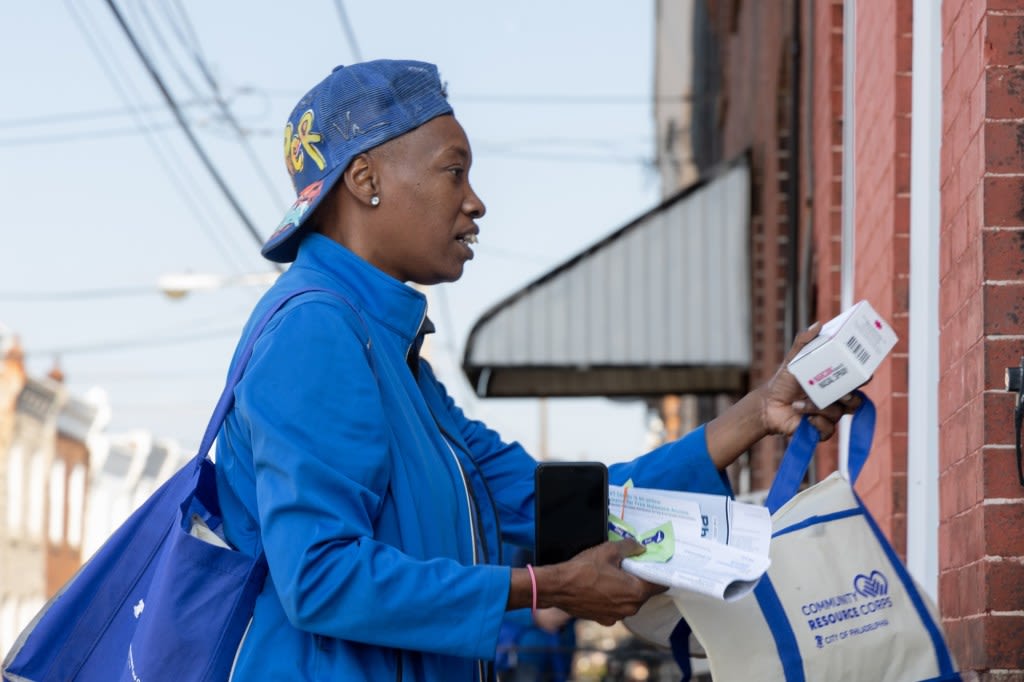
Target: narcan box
[(844, 355)]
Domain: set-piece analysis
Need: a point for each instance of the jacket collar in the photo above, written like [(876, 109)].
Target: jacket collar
[(380, 296)]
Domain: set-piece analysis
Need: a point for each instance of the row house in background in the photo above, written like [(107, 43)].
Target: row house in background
[(65, 484), (814, 153)]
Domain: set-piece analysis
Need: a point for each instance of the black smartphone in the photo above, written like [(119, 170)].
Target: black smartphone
[(570, 510)]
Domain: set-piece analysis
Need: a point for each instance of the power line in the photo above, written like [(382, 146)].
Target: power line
[(163, 155), (229, 116), (80, 136), (154, 30), (347, 27), (188, 131), (505, 149), (191, 41), (93, 114), (584, 99), (135, 344), (77, 295)]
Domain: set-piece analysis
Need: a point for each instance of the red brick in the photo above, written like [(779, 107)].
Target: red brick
[(1004, 308), (1004, 582), (974, 368), (1004, 39), (966, 535), (960, 488), (972, 588), (900, 325), (972, 163), (949, 591), (1002, 529), (1004, 146), (1004, 634), (963, 28), (956, 629), (976, 424), (950, 11), (898, 535), (1001, 353), (999, 419), (953, 437), (1004, 201), (1004, 92), (969, 649), (993, 676), (1003, 254)]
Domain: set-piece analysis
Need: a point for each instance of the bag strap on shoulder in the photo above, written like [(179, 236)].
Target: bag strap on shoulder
[(227, 396), (797, 458)]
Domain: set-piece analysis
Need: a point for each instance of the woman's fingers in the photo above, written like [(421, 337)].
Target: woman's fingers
[(825, 419)]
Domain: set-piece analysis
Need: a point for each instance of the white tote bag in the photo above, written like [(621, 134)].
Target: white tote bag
[(837, 602)]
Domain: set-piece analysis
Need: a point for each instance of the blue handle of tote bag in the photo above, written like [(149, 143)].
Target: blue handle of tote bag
[(798, 455)]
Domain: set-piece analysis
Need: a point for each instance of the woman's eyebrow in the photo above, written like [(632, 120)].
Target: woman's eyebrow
[(457, 149)]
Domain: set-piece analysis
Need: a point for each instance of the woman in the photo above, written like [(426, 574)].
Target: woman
[(381, 507)]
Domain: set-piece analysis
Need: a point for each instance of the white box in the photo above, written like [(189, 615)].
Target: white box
[(844, 355)]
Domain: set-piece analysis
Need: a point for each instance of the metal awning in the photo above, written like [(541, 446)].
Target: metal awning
[(662, 305)]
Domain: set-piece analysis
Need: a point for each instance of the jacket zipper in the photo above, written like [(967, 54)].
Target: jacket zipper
[(238, 651), (473, 512), (470, 507)]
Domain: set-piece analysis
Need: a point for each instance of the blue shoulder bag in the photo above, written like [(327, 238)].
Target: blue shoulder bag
[(156, 602)]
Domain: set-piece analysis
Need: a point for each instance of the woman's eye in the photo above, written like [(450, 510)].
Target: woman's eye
[(456, 171)]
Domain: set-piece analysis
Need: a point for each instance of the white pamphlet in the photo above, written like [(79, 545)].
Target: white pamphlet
[(720, 545)]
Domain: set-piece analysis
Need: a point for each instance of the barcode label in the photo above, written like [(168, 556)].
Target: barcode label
[(858, 350)]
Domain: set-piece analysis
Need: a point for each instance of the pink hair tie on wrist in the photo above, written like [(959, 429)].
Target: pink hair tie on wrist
[(533, 584)]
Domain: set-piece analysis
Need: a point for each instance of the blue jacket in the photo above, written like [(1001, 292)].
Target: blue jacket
[(379, 504)]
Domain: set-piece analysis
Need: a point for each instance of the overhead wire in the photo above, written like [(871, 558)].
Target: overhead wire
[(146, 20), (192, 45), (80, 136), (38, 120), (350, 35), (76, 295), (506, 149), (183, 22), (200, 152), (165, 155), (121, 345), (582, 99)]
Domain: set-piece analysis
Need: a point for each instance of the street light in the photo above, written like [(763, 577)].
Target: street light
[(179, 285)]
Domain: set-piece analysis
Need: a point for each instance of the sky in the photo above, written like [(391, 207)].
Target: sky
[(103, 194)]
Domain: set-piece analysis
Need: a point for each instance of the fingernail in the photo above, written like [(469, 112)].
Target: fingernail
[(814, 326), (799, 404), (847, 397)]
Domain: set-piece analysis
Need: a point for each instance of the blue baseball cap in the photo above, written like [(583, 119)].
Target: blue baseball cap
[(353, 110)]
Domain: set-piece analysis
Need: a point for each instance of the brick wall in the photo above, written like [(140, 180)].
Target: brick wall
[(824, 36), (881, 267), (755, 116), (982, 332)]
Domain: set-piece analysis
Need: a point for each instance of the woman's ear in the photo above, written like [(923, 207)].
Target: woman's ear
[(360, 178)]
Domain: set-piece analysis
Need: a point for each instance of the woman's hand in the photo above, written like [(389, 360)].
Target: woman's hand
[(773, 408), (551, 619), (784, 401), (591, 585)]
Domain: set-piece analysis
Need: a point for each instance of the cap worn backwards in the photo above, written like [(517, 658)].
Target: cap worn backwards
[(353, 110)]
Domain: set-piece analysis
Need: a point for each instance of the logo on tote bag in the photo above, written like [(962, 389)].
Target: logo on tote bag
[(871, 586), (858, 610)]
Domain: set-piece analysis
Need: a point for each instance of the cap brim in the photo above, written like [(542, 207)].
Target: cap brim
[(283, 245)]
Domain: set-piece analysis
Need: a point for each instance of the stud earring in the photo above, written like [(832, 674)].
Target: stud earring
[(375, 200)]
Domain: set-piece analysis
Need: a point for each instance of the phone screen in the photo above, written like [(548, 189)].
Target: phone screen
[(571, 512)]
